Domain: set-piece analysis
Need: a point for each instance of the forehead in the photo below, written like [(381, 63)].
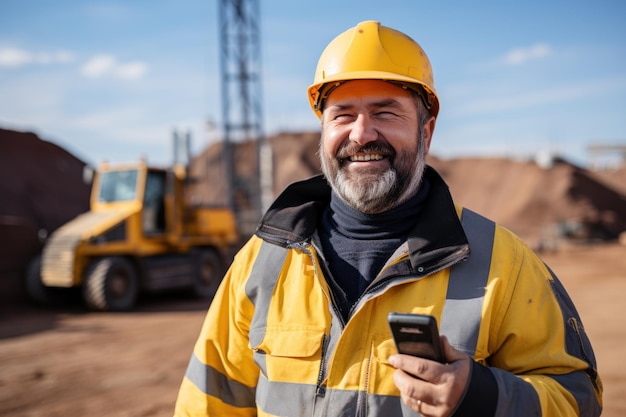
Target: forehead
[(360, 89)]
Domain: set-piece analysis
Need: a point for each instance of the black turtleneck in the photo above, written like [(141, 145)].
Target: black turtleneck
[(357, 245)]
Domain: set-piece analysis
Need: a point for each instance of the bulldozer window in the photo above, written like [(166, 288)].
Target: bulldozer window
[(154, 204), (118, 186)]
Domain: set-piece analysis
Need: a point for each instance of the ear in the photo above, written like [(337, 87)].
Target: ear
[(429, 129)]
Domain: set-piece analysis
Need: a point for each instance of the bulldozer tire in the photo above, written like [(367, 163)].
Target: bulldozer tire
[(35, 290), (111, 284), (40, 294), (208, 274)]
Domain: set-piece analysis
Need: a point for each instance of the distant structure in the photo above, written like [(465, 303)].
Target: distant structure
[(250, 191), (545, 158), (607, 155)]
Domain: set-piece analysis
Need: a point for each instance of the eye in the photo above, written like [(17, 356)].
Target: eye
[(343, 117), (385, 114)]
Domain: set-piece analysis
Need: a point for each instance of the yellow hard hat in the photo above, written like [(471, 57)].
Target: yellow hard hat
[(372, 51)]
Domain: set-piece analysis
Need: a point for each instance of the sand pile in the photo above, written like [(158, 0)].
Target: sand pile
[(538, 203)]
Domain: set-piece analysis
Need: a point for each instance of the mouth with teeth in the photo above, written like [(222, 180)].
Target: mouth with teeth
[(372, 154), (366, 162), (366, 157)]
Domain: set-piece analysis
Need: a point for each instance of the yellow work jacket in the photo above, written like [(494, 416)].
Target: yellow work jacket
[(274, 344)]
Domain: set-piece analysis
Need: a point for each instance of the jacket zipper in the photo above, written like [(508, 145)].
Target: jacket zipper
[(321, 377), (321, 387)]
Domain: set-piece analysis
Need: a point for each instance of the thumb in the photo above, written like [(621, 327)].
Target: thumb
[(452, 354)]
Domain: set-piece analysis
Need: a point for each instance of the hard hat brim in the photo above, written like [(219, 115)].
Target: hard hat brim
[(318, 92)]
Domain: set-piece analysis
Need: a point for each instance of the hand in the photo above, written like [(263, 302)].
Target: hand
[(439, 387)]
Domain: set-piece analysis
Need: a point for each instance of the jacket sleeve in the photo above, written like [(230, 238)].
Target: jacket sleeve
[(538, 352), (221, 376)]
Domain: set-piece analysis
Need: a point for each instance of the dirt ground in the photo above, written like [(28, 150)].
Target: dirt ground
[(69, 362)]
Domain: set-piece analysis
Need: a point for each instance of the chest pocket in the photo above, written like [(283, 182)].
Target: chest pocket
[(287, 352)]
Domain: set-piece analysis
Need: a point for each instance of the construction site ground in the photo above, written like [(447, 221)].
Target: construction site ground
[(69, 362)]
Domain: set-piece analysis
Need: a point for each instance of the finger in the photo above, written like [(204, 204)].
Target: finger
[(418, 406), (417, 367), (410, 387)]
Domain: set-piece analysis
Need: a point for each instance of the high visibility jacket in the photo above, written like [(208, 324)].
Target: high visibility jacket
[(274, 344)]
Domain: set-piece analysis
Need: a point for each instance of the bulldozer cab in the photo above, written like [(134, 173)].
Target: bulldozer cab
[(136, 185)]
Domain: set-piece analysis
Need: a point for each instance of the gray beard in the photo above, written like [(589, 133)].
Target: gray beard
[(374, 192)]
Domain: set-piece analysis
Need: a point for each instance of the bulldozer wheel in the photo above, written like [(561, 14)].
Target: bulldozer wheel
[(37, 292), (111, 284), (209, 273)]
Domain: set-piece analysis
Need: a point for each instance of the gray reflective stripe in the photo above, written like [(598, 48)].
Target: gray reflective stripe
[(284, 398), (577, 384), (260, 358), (260, 286), (516, 397), (288, 399), (462, 311), (214, 383)]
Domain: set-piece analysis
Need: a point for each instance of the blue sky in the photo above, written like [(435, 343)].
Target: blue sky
[(110, 80)]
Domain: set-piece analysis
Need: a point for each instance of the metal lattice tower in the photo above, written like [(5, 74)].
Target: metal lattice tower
[(242, 107)]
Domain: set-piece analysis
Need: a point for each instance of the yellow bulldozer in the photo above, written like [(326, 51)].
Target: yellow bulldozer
[(142, 233)]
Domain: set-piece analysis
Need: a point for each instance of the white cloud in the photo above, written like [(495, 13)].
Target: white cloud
[(131, 70), (16, 57), (520, 56), (108, 66), (13, 57), (98, 66)]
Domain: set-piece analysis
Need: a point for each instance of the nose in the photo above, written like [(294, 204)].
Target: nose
[(363, 130)]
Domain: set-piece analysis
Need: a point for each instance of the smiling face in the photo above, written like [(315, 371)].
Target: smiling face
[(372, 149)]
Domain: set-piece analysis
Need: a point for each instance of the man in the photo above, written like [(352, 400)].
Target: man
[(299, 324)]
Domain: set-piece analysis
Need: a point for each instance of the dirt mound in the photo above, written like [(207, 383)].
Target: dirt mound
[(613, 177), (537, 203), (42, 187), (294, 158)]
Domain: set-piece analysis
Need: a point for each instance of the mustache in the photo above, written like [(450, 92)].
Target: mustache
[(349, 148)]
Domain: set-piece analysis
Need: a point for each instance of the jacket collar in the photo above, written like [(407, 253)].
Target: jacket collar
[(436, 241)]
